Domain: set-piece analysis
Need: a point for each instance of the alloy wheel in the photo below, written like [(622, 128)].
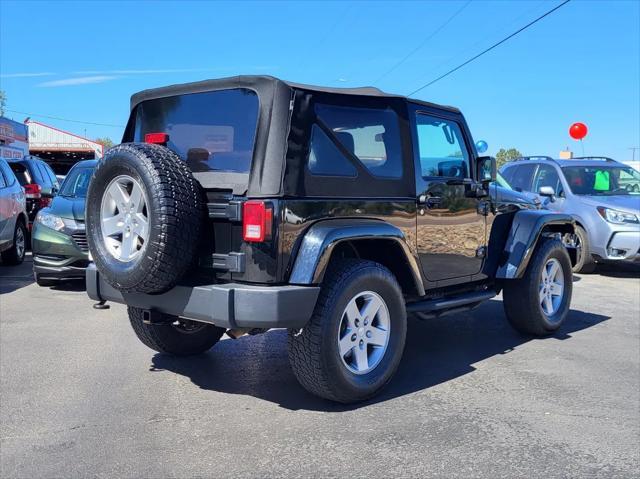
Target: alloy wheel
[(124, 218), (551, 291), (364, 331)]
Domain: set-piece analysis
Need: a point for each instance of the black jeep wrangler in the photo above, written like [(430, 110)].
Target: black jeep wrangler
[(250, 203)]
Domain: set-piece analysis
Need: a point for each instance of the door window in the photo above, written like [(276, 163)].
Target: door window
[(9, 177), (522, 176), (547, 176), (441, 148)]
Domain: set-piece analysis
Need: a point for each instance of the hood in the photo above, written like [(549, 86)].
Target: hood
[(506, 198), (71, 208), (620, 202)]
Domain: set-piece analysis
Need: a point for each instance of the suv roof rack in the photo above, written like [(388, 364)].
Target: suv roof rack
[(526, 158), (601, 158)]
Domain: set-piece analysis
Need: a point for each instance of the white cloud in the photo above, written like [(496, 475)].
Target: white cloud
[(79, 81), (25, 75), (141, 72)]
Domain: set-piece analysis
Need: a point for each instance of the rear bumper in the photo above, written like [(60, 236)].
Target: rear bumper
[(230, 305)]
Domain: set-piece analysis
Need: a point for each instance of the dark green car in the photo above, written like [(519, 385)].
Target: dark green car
[(59, 243)]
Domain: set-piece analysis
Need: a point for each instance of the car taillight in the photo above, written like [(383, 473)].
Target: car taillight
[(32, 190), (44, 202), (257, 218), (156, 138)]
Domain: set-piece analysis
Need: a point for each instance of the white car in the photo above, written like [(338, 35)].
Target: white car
[(13, 217)]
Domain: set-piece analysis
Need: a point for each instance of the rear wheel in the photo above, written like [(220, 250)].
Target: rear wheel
[(353, 343), (15, 254), (538, 303), (176, 336)]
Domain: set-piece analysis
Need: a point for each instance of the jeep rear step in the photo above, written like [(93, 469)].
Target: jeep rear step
[(228, 305)]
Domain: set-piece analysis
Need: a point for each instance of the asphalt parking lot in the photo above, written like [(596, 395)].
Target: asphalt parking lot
[(81, 397)]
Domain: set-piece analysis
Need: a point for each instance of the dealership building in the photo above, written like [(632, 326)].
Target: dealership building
[(61, 149)]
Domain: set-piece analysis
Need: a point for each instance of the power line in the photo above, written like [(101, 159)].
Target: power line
[(64, 119), (424, 42), (489, 49)]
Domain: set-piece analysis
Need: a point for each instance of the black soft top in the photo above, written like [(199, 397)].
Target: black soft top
[(281, 141), (259, 82)]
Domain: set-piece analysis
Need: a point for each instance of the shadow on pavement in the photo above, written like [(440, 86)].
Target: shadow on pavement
[(70, 285), (622, 270), (16, 277), (436, 351)]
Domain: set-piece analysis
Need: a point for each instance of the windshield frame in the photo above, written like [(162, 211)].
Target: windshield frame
[(620, 191)]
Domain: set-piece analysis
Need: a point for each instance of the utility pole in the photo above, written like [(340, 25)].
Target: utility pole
[(633, 152)]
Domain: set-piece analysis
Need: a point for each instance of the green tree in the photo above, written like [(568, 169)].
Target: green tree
[(504, 156), (105, 141), (3, 102)]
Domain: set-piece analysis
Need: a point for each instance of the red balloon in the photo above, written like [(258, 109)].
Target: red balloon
[(578, 131)]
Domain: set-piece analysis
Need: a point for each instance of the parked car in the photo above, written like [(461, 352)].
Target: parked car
[(39, 182), (602, 195), (13, 217), (58, 238), (329, 212)]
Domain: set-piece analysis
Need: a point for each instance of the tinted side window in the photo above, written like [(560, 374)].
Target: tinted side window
[(43, 174), (3, 183), (522, 176), (441, 148), (325, 158), (372, 135), (547, 176), (52, 175)]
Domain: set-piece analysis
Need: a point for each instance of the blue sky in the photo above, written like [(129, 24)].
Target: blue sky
[(83, 60)]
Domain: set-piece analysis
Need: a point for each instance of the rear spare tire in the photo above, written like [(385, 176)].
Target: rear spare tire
[(144, 216)]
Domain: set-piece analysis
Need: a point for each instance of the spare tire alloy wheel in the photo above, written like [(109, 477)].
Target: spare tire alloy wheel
[(145, 211), (124, 218), (364, 332)]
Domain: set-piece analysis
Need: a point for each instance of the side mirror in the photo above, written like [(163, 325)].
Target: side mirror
[(547, 191), (486, 169)]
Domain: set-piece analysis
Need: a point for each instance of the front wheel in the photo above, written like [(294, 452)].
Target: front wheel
[(174, 335), (353, 343), (538, 303)]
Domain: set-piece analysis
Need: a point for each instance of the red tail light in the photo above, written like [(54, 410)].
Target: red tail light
[(156, 138), (256, 221), (44, 202), (32, 191)]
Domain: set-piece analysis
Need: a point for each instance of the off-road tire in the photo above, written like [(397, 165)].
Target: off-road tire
[(12, 257), (176, 214), (313, 352), (521, 298), (169, 338), (45, 283), (584, 262)]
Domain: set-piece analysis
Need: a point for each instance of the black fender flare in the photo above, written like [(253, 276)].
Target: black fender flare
[(321, 239), (527, 227)]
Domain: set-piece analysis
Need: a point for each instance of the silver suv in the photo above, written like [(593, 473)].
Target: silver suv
[(602, 194), (13, 217)]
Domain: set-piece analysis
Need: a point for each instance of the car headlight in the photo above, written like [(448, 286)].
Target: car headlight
[(50, 221), (616, 216)]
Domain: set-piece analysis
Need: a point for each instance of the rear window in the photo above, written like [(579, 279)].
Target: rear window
[(21, 172), (211, 131)]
